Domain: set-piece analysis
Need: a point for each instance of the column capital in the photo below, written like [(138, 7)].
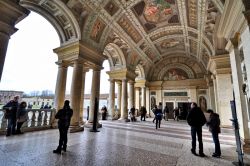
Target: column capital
[(119, 82), (111, 80), (62, 63)]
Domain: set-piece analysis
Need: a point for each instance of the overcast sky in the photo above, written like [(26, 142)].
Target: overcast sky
[(30, 61)]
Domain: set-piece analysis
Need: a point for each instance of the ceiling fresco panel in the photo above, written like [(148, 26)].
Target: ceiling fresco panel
[(127, 26), (193, 47), (192, 13), (170, 45), (111, 8), (97, 30), (166, 33), (153, 14)]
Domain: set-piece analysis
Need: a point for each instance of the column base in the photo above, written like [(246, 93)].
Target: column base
[(112, 118), (124, 119), (74, 129), (90, 125), (54, 124)]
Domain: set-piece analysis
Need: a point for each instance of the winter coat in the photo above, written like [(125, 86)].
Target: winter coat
[(11, 109), (214, 123), (158, 114), (64, 116), (22, 115), (196, 117)]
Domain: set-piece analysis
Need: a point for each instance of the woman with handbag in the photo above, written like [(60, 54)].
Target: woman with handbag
[(22, 116)]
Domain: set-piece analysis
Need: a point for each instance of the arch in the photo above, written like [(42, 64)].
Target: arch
[(139, 70), (115, 55), (58, 14)]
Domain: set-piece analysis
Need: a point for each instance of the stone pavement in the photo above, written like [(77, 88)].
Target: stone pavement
[(117, 144)]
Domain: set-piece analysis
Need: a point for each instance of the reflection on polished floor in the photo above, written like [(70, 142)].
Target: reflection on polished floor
[(116, 144)]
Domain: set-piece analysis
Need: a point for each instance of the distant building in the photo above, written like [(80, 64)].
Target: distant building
[(7, 95)]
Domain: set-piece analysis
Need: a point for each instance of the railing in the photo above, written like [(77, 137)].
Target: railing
[(39, 119)]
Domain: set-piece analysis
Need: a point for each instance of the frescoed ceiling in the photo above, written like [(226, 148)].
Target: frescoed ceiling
[(146, 30)]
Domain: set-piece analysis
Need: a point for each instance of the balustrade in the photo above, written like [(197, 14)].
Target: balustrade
[(38, 119)]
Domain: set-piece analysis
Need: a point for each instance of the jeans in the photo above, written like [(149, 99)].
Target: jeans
[(143, 117), (158, 123), (198, 131), (215, 136), (18, 127), (63, 137), (11, 128)]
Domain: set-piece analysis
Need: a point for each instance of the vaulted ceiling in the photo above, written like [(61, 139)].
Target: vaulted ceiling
[(147, 32)]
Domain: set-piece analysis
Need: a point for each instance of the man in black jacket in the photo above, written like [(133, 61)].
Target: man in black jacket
[(196, 119), (64, 116), (10, 114)]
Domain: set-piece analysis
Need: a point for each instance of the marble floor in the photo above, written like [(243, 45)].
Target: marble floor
[(117, 144)]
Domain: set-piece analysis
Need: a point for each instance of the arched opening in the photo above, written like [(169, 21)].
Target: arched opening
[(30, 61)]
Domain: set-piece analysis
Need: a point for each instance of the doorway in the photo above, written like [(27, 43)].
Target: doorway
[(170, 106), (184, 107)]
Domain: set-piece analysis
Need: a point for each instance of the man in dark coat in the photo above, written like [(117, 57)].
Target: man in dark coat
[(64, 116), (143, 113), (10, 114), (214, 127), (196, 119), (132, 114)]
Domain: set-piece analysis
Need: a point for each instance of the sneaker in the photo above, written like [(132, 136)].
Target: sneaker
[(202, 155)]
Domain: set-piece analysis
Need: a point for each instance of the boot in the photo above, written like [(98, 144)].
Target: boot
[(58, 150), (64, 148)]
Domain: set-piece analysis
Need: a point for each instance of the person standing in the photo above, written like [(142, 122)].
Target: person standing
[(143, 113), (10, 114), (196, 119), (87, 112), (166, 113), (214, 127), (158, 117), (22, 116), (64, 116), (132, 114)]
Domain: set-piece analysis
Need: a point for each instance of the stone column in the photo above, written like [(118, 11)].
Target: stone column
[(124, 102), (60, 85), (240, 101), (137, 98), (75, 96), (59, 90), (224, 94), (119, 97), (95, 93), (111, 110), (131, 94), (82, 97), (215, 93), (11, 13), (211, 96), (148, 102), (245, 39), (143, 94)]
